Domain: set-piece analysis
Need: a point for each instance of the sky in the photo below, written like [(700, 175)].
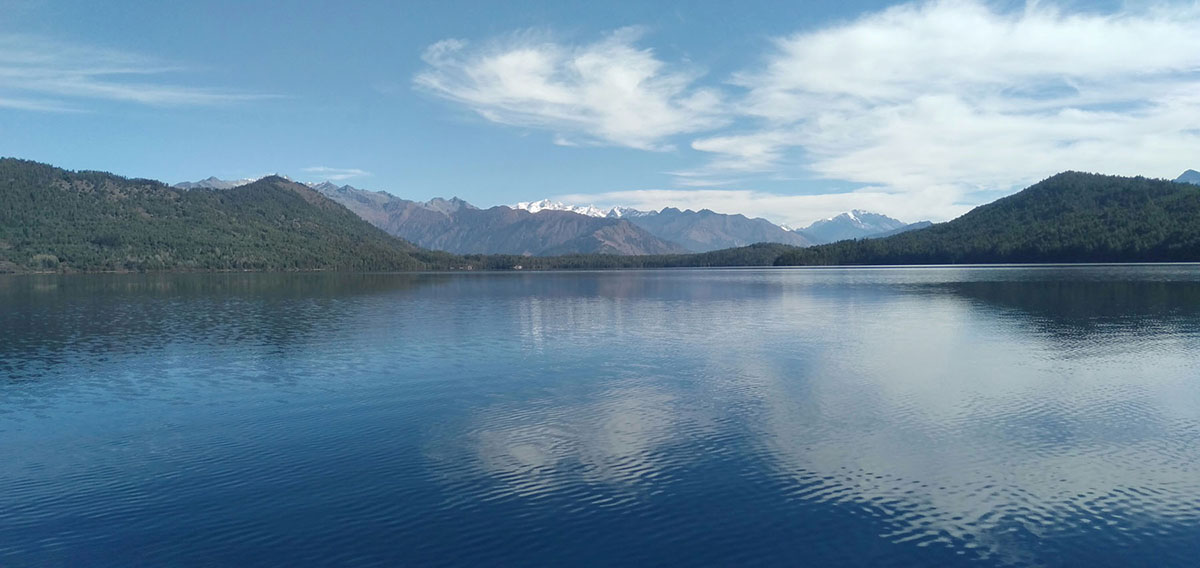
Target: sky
[(792, 111)]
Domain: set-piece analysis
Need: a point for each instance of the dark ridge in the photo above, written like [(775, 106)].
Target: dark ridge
[(53, 219), (1069, 217)]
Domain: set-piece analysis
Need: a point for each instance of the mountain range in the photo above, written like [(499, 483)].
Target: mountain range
[(696, 231), (548, 227), (58, 220), (456, 226), (705, 230)]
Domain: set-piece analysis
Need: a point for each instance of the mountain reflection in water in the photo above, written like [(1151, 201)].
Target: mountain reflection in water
[(996, 416)]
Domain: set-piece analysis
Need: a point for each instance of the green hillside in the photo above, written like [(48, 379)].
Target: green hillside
[(1070, 217), (54, 219), (57, 220)]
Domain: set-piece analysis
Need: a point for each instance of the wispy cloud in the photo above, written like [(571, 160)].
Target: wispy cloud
[(38, 74), (335, 174), (36, 105), (610, 92)]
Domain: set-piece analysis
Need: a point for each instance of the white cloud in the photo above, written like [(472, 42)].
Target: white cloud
[(609, 92), (934, 103), (336, 174), (959, 93), (57, 77)]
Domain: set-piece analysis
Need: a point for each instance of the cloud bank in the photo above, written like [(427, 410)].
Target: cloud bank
[(931, 104), (959, 93)]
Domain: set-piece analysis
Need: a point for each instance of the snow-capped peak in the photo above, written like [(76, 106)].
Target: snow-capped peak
[(589, 210), (853, 215), (624, 212), (324, 186), (547, 205), (859, 219)]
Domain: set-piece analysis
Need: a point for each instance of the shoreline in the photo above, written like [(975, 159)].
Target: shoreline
[(602, 269)]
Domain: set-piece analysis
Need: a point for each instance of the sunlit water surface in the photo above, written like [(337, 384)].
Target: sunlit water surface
[(882, 417)]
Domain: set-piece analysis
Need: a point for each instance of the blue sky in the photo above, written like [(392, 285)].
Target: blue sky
[(791, 111)]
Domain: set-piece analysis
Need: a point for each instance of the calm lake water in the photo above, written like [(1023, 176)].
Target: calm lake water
[(875, 417)]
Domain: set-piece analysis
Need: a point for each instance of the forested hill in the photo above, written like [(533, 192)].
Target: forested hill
[(1070, 217), (54, 219), (758, 254)]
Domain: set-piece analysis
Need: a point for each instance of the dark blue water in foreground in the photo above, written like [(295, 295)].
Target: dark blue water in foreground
[(873, 417)]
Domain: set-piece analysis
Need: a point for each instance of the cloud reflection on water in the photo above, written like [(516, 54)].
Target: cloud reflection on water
[(955, 418)]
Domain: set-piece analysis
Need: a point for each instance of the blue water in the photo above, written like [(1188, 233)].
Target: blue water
[(873, 417)]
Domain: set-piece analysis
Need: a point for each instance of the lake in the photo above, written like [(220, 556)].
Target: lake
[(997, 416)]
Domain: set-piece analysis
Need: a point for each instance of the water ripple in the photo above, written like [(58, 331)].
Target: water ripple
[(995, 416)]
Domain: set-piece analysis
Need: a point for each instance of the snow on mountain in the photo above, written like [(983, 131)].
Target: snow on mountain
[(864, 220), (457, 226), (325, 186), (589, 210), (697, 231), (627, 212), (547, 205), (854, 224)]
